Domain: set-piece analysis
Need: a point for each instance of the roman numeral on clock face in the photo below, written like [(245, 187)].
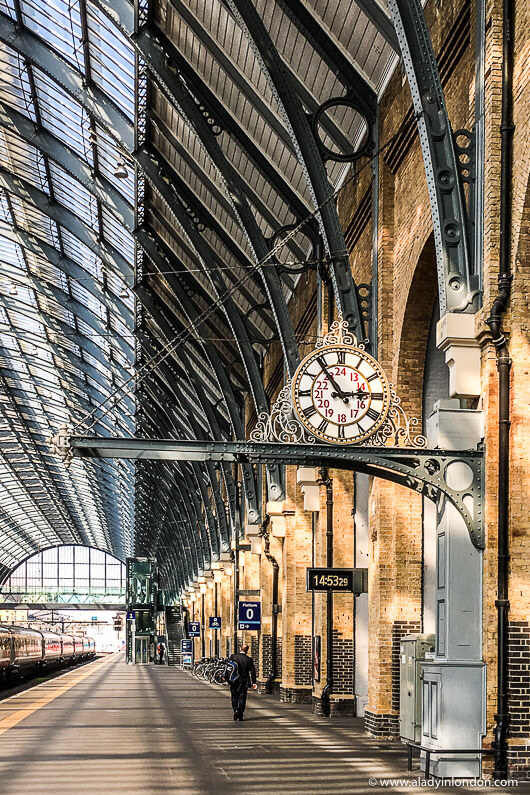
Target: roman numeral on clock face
[(341, 432), (309, 411), (374, 395), (371, 378), (372, 413), (307, 393), (342, 357), (323, 425)]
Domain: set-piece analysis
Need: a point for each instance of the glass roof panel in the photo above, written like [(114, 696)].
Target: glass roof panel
[(80, 253), (8, 7), (59, 24), (28, 217), (74, 196), (21, 159), (62, 116), (111, 60), (118, 236), (15, 89)]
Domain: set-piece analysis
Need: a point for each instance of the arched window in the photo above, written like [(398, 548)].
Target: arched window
[(68, 574)]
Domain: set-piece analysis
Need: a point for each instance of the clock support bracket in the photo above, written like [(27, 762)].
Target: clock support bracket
[(455, 475)]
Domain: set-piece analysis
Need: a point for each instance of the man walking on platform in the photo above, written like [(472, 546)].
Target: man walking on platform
[(246, 679)]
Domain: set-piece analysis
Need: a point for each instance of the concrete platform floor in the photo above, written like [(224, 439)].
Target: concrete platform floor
[(109, 728)]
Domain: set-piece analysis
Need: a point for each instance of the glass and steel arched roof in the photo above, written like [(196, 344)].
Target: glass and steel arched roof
[(151, 158)]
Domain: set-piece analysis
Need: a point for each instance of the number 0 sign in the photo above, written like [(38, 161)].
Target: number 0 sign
[(249, 615)]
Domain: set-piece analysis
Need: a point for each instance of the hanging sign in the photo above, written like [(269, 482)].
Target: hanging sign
[(249, 615), (214, 622), (194, 629)]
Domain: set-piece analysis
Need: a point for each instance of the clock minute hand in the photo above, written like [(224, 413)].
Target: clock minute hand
[(334, 383)]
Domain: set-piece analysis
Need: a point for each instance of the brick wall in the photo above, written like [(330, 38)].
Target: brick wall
[(399, 630), (254, 653), (343, 665), (303, 664)]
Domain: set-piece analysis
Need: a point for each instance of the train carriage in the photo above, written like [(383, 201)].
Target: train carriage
[(52, 647), (27, 648), (68, 647)]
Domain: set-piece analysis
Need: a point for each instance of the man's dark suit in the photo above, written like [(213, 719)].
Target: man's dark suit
[(247, 677)]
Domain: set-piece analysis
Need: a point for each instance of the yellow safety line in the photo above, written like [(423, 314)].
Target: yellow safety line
[(20, 714)]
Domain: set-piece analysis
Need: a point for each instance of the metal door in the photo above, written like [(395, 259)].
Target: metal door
[(142, 650)]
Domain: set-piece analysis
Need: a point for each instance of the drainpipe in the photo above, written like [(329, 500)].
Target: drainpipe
[(325, 697), (502, 717), (275, 609)]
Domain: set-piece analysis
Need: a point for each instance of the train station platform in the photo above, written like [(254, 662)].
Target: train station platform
[(108, 728)]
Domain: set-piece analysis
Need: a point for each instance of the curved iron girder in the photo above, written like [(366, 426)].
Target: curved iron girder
[(234, 190), (121, 12), (430, 472), (194, 480), (233, 314), (169, 259), (201, 174), (458, 287), (96, 393), (222, 537), (214, 522), (108, 115), (193, 501), (246, 87), (48, 485), (185, 524), (309, 157), (59, 296), (253, 504), (30, 46), (92, 99), (352, 78), (163, 496), (220, 512), (188, 200), (76, 384), (161, 394)]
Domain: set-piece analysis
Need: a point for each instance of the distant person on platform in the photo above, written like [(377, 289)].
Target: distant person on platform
[(161, 653), (246, 679)]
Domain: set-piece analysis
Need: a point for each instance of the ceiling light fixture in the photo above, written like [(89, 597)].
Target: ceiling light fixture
[(121, 170)]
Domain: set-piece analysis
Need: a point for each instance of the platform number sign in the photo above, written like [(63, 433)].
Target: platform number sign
[(214, 622), (194, 629), (249, 615)]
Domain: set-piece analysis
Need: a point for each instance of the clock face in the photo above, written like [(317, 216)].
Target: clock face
[(340, 394)]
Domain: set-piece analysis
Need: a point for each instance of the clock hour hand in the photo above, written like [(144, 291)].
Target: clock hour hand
[(339, 392)]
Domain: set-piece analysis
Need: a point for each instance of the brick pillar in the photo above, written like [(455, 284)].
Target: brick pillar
[(296, 601), (394, 597), (265, 645), (342, 699)]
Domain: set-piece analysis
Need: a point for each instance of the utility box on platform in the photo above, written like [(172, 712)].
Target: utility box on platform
[(412, 652)]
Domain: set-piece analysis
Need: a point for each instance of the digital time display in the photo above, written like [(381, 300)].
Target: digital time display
[(342, 580)]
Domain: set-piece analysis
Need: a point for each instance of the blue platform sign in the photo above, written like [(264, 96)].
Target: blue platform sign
[(131, 615), (249, 615), (194, 629), (214, 622), (186, 646)]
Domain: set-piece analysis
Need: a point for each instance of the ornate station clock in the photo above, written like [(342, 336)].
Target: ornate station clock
[(340, 394)]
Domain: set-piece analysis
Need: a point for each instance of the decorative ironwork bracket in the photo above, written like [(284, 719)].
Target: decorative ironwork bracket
[(456, 475)]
